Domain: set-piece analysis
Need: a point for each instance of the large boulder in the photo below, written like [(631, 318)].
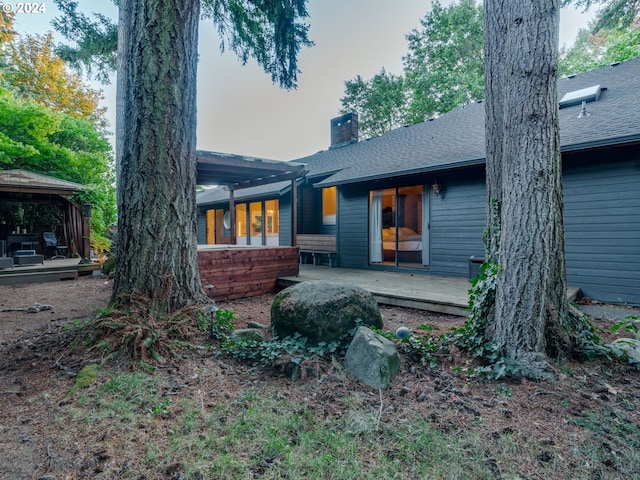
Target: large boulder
[(371, 358), (323, 311)]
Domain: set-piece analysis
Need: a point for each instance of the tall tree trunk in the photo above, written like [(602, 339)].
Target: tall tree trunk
[(155, 157), (524, 181), (495, 85)]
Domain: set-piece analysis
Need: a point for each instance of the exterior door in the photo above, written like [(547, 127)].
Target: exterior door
[(399, 226)]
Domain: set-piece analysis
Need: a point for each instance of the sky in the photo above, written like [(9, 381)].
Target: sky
[(240, 111)]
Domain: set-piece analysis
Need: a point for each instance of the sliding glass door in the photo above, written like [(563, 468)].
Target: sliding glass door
[(399, 226)]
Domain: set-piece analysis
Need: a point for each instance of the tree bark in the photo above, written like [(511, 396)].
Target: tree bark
[(524, 181), (155, 153), (495, 112)]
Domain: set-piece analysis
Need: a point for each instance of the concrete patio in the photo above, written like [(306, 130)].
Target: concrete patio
[(425, 292)]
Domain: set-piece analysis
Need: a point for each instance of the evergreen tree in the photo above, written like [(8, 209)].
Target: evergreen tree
[(528, 319), (156, 123)]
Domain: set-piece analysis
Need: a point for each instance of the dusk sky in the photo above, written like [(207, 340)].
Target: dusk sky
[(239, 109)]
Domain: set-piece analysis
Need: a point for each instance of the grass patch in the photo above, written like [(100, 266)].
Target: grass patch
[(85, 377), (262, 434)]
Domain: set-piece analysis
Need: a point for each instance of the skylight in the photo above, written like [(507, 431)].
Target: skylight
[(576, 97)]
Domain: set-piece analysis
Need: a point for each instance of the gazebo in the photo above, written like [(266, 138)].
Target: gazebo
[(28, 187)]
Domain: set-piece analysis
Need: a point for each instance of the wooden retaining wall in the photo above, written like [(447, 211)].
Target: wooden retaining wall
[(245, 271)]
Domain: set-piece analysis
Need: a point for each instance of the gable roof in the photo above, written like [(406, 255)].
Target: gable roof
[(456, 139)]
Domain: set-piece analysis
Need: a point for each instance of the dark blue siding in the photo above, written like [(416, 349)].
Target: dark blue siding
[(201, 227), (457, 224), (285, 219), (310, 212), (602, 229), (353, 226), (310, 208)]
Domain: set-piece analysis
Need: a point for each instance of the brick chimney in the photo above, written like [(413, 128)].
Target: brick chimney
[(344, 130)]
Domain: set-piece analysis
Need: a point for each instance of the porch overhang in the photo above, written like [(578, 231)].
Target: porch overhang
[(237, 171), (20, 185)]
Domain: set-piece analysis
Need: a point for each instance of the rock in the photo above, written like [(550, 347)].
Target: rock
[(37, 307), (372, 359), (323, 311), (257, 325), (629, 346), (248, 334)]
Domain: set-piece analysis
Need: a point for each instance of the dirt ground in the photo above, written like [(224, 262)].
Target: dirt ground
[(68, 299), (36, 355)]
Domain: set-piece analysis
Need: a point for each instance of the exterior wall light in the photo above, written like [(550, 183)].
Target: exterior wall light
[(436, 188)]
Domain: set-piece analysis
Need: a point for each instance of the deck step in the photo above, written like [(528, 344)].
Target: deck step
[(37, 277)]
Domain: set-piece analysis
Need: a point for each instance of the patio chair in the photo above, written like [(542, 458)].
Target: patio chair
[(51, 241)]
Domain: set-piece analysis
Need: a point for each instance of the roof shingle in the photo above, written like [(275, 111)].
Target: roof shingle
[(456, 139)]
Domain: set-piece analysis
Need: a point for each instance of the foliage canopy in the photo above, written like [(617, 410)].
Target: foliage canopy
[(442, 69), (271, 32), (444, 65), (51, 123), (36, 72), (381, 102)]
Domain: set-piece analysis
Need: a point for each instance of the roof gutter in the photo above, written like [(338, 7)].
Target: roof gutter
[(610, 142), (416, 171), (577, 147)]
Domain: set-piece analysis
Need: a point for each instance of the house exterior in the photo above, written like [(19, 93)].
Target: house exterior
[(414, 199)]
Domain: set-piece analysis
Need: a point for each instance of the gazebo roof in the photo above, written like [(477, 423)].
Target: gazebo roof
[(238, 171), (16, 182)]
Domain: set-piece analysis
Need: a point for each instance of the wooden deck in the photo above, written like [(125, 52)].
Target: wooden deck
[(240, 272), (52, 270), (236, 271), (425, 292)]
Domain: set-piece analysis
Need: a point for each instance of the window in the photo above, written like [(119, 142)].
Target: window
[(272, 224), (217, 227), (399, 226), (329, 201), (211, 227), (258, 223), (241, 224)]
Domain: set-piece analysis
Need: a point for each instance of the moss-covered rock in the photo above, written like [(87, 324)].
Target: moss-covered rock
[(372, 359), (323, 311)]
